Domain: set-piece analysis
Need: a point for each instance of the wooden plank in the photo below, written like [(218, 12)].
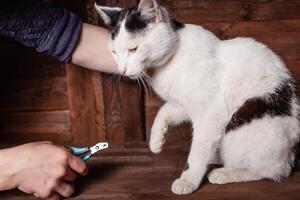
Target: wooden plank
[(294, 66), (134, 173), (38, 94), (86, 105), (61, 117), (17, 138), (124, 110), (28, 64), (191, 11), (34, 126), (30, 70), (24, 54), (281, 36)]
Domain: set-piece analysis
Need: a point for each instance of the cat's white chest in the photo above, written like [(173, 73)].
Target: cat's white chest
[(170, 87)]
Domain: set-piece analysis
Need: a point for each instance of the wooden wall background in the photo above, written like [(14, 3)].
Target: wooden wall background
[(42, 99)]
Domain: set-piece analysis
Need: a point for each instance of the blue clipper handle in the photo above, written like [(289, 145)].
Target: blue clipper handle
[(87, 156), (79, 150)]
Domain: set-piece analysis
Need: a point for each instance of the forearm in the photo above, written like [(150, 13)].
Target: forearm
[(56, 32), (92, 50), (7, 173)]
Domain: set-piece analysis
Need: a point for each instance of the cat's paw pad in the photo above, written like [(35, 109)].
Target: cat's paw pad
[(156, 145), (218, 177), (182, 187)]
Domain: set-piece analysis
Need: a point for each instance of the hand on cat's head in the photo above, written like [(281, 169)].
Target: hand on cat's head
[(141, 37)]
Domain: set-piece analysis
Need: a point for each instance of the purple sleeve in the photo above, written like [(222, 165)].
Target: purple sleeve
[(54, 31)]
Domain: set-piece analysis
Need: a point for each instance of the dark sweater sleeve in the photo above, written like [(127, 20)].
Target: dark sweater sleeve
[(54, 31)]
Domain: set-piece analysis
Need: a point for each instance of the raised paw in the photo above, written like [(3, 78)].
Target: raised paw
[(218, 176), (157, 139), (182, 187), (156, 145)]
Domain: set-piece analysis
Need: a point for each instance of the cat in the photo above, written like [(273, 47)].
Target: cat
[(238, 94)]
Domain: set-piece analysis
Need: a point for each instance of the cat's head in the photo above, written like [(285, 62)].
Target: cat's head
[(141, 37)]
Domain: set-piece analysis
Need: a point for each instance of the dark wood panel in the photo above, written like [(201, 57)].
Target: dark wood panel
[(282, 36), (86, 105), (192, 11), (30, 70), (294, 66), (32, 64), (124, 110), (36, 94), (29, 55), (32, 126), (133, 173)]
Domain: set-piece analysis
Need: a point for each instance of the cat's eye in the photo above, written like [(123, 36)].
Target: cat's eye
[(133, 50), (114, 52)]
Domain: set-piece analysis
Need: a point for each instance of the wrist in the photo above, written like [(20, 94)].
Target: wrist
[(8, 170)]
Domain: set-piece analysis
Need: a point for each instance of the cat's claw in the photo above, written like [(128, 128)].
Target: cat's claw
[(182, 187)]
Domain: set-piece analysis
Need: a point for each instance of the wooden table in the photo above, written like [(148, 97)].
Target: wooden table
[(131, 172)]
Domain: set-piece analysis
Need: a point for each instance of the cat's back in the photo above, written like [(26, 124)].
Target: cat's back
[(194, 39)]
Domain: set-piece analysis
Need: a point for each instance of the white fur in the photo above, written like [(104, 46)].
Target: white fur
[(206, 80), (104, 16)]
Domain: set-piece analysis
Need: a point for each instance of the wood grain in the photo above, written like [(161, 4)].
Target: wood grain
[(34, 94), (130, 171), (16, 128), (86, 105), (195, 12), (123, 110)]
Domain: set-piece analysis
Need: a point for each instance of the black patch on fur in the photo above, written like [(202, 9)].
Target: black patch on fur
[(275, 104), (134, 21), (117, 20), (176, 25)]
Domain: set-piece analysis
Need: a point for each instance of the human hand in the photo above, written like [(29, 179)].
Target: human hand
[(41, 168)]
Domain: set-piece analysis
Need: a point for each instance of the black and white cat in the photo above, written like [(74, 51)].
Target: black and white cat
[(238, 94)]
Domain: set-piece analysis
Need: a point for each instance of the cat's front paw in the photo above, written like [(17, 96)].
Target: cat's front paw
[(157, 138), (156, 144), (182, 187)]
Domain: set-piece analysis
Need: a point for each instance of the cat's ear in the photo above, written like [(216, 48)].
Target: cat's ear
[(150, 10), (109, 15)]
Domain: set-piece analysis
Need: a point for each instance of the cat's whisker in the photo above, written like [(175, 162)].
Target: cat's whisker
[(139, 88), (144, 84), (119, 83), (146, 79), (114, 81)]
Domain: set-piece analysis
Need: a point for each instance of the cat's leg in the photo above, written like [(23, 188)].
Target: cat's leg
[(230, 175), (168, 115), (206, 139)]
